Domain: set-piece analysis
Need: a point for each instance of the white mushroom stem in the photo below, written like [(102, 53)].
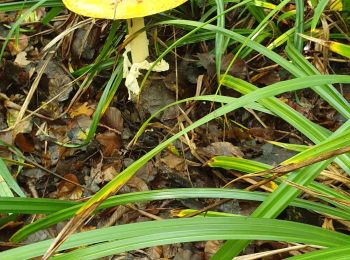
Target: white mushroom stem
[(139, 45)]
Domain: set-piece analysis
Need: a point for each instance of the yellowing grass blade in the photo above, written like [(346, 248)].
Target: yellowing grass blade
[(336, 5), (337, 47)]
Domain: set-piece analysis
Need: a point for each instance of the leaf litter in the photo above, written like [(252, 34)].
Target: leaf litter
[(45, 136)]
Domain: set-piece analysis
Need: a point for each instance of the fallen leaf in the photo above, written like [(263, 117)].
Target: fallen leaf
[(101, 176), (68, 190), (237, 69), (81, 109), (220, 148), (328, 224), (266, 77), (211, 247), (24, 142), (138, 184), (262, 133), (174, 162), (21, 59), (16, 47), (113, 118), (111, 143)]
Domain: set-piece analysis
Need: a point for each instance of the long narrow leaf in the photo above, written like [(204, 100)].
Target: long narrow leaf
[(63, 210), (9, 181), (274, 89), (128, 237), (328, 93), (318, 12), (334, 253), (313, 131)]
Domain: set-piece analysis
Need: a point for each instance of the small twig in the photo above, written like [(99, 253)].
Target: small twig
[(278, 172), (217, 203), (144, 213), (51, 172), (317, 194), (281, 170)]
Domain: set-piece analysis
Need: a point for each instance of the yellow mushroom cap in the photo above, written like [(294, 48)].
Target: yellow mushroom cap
[(120, 9)]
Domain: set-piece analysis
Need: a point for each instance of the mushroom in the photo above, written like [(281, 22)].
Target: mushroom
[(134, 11)]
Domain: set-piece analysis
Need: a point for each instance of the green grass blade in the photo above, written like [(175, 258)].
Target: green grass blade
[(219, 38), (18, 22), (33, 205), (328, 93), (317, 13), (8, 182), (291, 147), (331, 95), (330, 144), (250, 166), (334, 253), (313, 131), (118, 239), (299, 24), (5, 190), (274, 89), (105, 99), (278, 201), (273, 206), (20, 5), (63, 210)]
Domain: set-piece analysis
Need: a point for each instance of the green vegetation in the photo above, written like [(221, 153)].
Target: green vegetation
[(279, 31)]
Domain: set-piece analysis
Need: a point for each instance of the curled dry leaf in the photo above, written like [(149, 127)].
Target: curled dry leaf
[(56, 81), (155, 252), (12, 76), (21, 59), (328, 224), (16, 47), (68, 190)]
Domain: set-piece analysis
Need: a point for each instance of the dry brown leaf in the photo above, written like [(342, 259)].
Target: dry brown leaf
[(24, 142), (266, 77), (174, 162), (328, 224), (138, 184), (111, 143), (68, 190), (220, 148), (102, 176), (113, 118), (211, 247), (17, 47), (21, 59), (155, 252), (81, 109)]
